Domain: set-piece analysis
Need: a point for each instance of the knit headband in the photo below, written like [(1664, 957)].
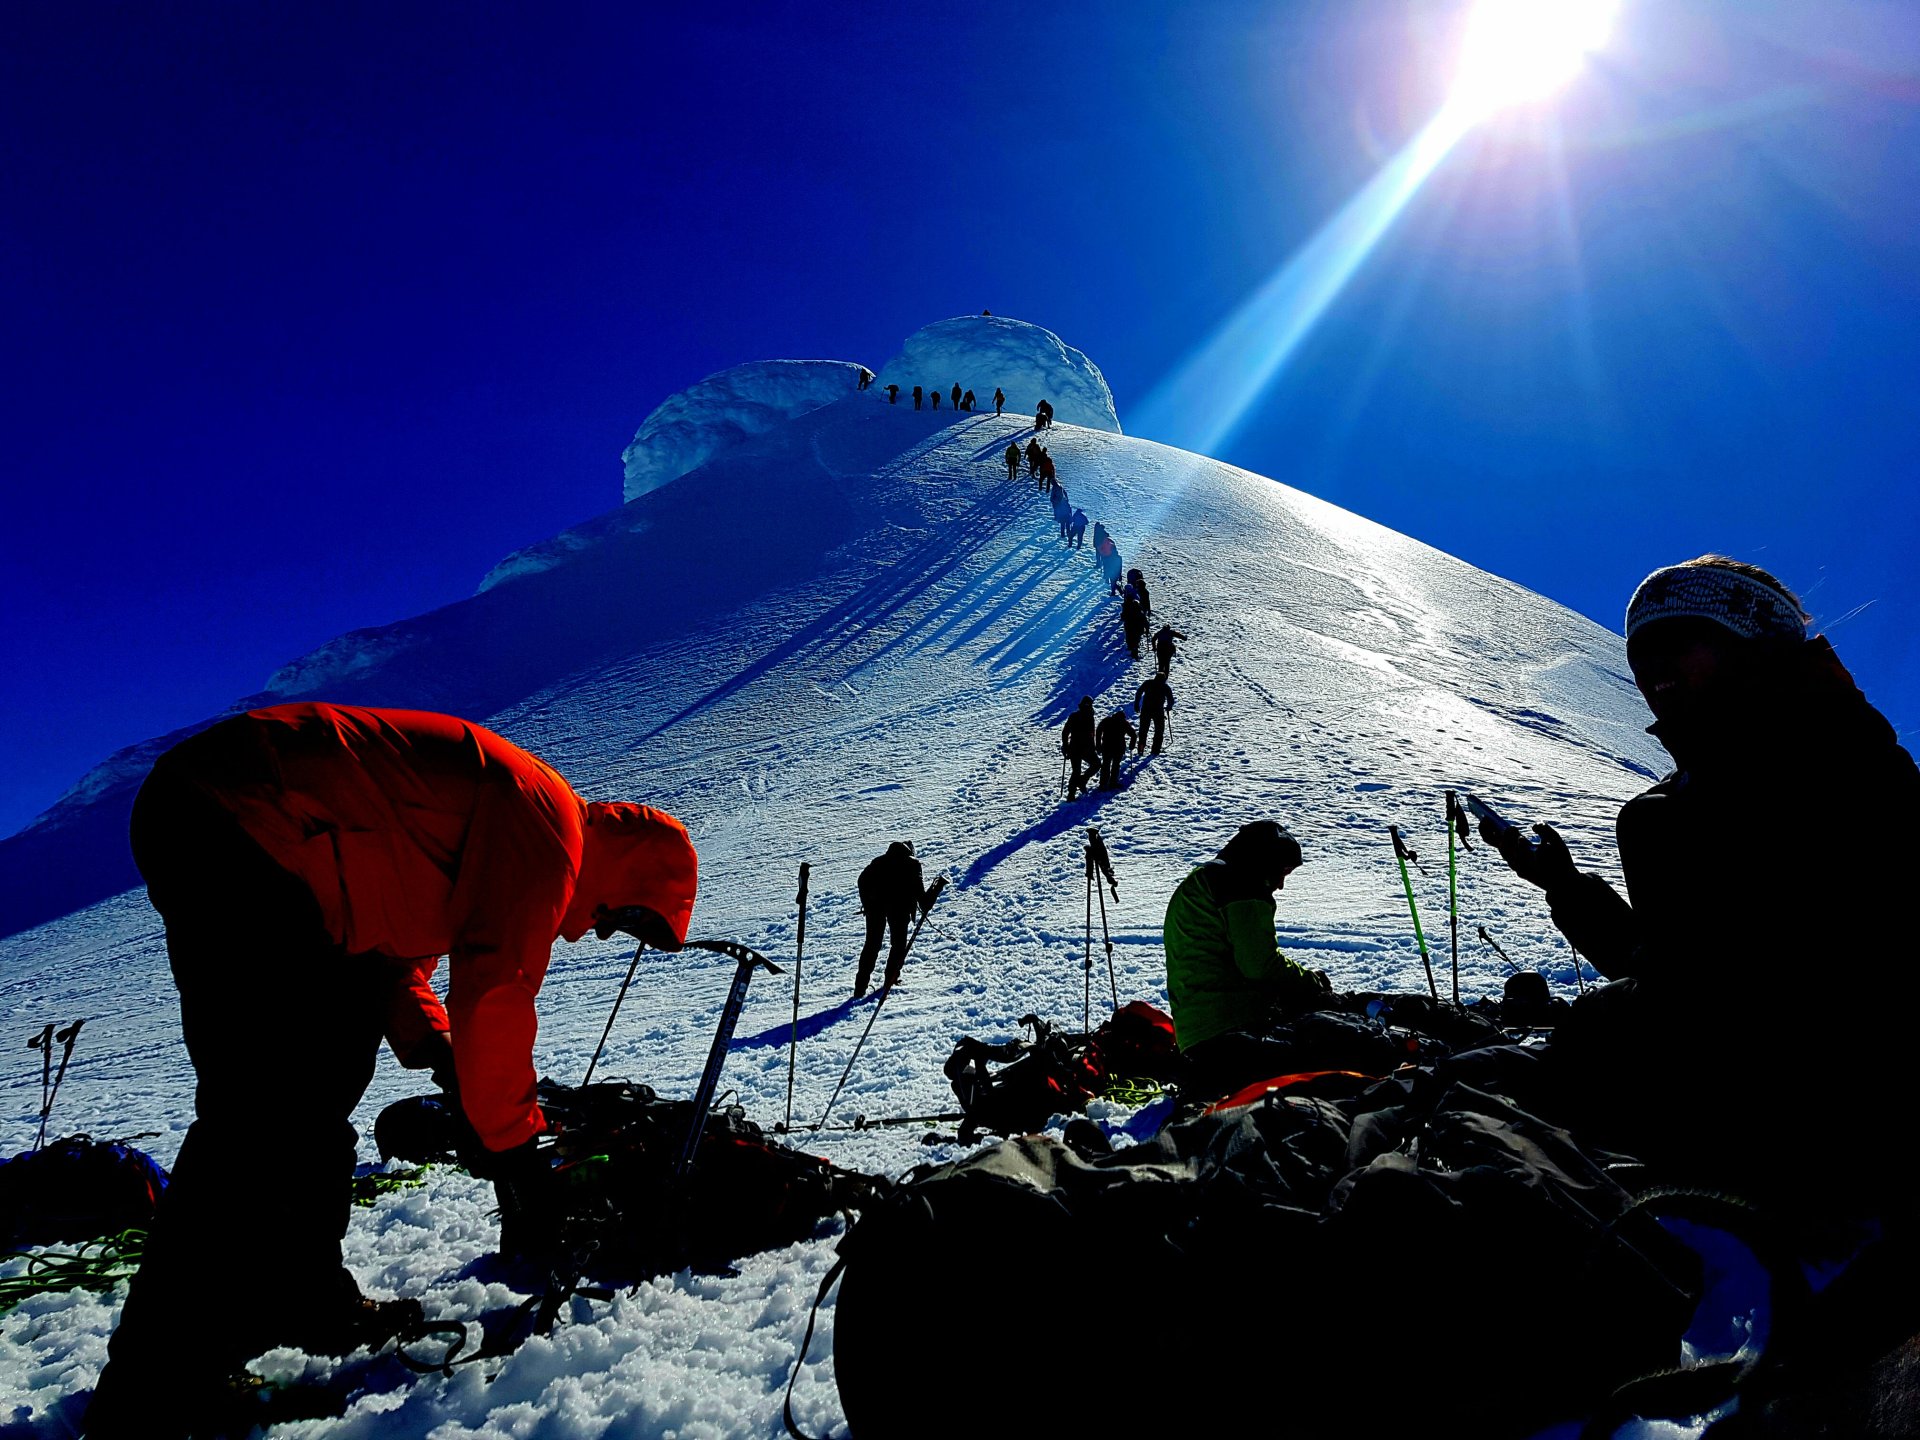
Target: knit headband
[(1751, 609)]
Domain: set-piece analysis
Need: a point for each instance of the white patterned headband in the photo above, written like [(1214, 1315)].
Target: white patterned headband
[(1750, 608)]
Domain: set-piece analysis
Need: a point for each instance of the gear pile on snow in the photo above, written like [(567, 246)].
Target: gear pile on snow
[(620, 1144)]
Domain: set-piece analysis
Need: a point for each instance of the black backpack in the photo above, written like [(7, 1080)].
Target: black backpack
[(1424, 1257)]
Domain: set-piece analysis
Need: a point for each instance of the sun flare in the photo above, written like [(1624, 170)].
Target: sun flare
[(1517, 51)]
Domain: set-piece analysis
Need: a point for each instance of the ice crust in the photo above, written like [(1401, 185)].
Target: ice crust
[(689, 428)]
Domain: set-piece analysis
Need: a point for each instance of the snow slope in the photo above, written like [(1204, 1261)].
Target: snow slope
[(1027, 362), (847, 629)]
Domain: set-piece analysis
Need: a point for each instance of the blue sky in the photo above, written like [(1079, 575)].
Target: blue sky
[(311, 315)]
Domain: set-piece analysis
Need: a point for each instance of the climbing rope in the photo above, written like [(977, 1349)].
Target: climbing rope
[(97, 1265)]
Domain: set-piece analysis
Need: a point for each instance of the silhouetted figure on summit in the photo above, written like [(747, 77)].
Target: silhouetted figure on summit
[(935, 396), (1113, 739), (1077, 744), (917, 393), (893, 394), (999, 399), (892, 887), (956, 394), (967, 402), (866, 378)]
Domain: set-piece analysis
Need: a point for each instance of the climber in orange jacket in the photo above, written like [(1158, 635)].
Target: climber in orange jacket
[(311, 863)]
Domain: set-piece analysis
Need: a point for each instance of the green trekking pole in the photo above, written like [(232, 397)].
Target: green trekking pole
[(1403, 855)]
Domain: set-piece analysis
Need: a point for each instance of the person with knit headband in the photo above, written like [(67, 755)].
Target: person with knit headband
[(1758, 875)]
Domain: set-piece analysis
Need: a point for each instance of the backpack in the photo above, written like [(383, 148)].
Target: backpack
[(75, 1189), (1422, 1257), (1051, 1074)]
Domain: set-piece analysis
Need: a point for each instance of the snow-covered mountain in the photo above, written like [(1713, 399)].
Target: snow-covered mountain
[(846, 628)]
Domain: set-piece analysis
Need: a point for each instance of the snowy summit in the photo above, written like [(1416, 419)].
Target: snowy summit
[(1030, 364)]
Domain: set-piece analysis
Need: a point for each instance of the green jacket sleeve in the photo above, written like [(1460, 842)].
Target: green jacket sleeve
[(1255, 951)]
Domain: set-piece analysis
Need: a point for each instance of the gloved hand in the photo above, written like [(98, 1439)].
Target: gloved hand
[(435, 1055), (1545, 862), (531, 1208)]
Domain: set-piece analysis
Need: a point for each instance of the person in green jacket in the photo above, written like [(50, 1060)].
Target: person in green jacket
[(1225, 973)]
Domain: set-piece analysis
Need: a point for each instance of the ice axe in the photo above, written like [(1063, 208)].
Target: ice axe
[(1099, 866), (746, 962), (799, 946), (1457, 825)]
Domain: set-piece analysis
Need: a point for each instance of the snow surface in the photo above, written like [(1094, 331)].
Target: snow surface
[(1028, 362), (689, 428), (888, 652)]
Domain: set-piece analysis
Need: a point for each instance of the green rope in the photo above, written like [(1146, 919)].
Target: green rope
[(1132, 1092), (367, 1189), (97, 1265)]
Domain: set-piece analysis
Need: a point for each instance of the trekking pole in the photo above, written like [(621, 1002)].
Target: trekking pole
[(1578, 978), (1403, 855), (1498, 951), (1086, 962), (50, 1082), (1097, 858), (617, 1002), (939, 884), (1456, 824), (799, 948)]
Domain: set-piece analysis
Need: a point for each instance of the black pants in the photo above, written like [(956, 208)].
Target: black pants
[(1110, 768), (1157, 722), (1077, 780), (283, 1028), (878, 924)]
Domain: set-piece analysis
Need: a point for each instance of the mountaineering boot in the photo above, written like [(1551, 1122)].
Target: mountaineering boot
[(351, 1320), (859, 989)]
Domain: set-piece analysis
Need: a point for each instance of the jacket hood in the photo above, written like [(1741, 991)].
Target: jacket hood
[(633, 855)]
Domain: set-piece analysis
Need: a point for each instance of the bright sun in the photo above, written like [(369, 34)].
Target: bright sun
[(1522, 50)]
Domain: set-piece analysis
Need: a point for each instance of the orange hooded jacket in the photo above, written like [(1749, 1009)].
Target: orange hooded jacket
[(422, 835)]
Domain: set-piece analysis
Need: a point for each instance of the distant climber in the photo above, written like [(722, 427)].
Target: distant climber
[(999, 400), (1153, 703), (893, 394), (1226, 977), (967, 402), (1043, 415), (1164, 649), (1062, 507), (956, 394), (1013, 459), (1108, 554), (1047, 473), (916, 397), (1078, 745), (1113, 739), (1139, 584), (1034, 452), (1133, 620), (866, 378), (892, 887), (1077, 528), (935, 394)]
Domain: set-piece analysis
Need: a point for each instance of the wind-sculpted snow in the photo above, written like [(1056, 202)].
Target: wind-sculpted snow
[(688, 429), (985, 352), (887, 652)]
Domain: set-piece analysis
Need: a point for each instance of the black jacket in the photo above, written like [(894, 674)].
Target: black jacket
[(1076, 736), (1114, 734), (893, 884)]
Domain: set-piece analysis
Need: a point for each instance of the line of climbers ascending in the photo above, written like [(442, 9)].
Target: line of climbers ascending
[(1097, 748), (354, 846), (963, 401)]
